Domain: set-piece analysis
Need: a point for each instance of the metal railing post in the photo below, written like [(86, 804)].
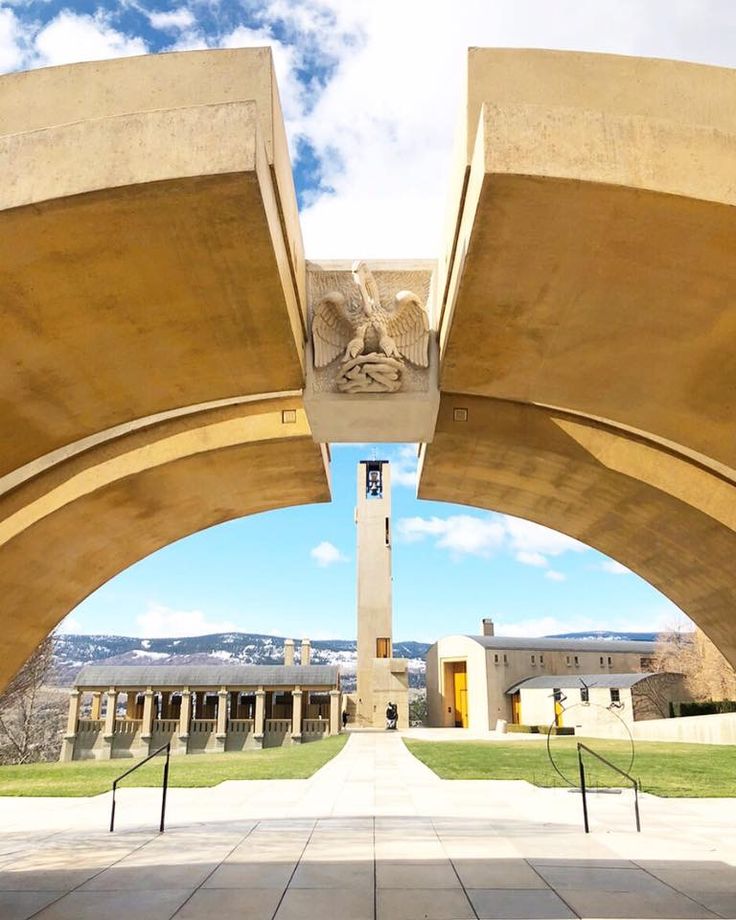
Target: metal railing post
[(165, 788), (583, 790), (635, 783), (166, 747)]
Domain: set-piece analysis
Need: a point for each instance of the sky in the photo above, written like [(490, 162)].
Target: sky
[(371, 93)]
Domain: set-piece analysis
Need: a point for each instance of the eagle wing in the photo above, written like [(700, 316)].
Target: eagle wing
[(331, 328), (408, 326)]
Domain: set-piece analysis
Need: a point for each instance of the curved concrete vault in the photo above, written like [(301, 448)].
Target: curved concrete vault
[(155, 317)]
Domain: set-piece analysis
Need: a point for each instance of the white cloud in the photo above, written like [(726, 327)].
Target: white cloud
[(527, 558), (530, 543), (326, 553), (614, 568), (12, 41), (384, 125), (69, 626), (651, 619), (460, 533), (527, 537), (404, 466), (176, 20), (71, 37), (555, 576), (161, 622)]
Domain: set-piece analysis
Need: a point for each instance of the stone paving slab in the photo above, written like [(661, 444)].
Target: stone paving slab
[(374, 834)]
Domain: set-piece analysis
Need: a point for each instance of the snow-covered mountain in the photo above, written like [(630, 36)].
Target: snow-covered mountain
[(72, 652)]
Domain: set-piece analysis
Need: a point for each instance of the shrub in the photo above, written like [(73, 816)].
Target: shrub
[(703, 708)]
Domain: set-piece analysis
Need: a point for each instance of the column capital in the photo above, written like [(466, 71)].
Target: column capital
[(75, 693), (296, 690), (335, 692), (260, 692), (147, 692)]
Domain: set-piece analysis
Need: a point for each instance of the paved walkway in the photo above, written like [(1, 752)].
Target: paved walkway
[(374, 834)]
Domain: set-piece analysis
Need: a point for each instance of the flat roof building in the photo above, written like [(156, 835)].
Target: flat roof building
[(468, 677)]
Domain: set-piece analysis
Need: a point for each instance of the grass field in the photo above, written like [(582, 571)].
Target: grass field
[(92, 777), (688, 770)]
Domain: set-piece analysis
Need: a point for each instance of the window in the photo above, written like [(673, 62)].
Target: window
[(567, 660), (615, 695), (505, 658), (374, 479), (646, 664), (609, 661), (383, 648), (601, 660), (388, 533), (541, 659), (533, 659), (584, 695), (495, 659), (577, 661)]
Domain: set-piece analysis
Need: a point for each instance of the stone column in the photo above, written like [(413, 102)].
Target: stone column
[(147, 722), (334, 712), (296, 715), (96, 705), (221, 736), (67, 748), (259, 726), (288, 652), (108, 733), (306, 652), (184, 717)]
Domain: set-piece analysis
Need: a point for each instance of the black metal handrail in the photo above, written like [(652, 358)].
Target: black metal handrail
[(166, 747), (583, 788)]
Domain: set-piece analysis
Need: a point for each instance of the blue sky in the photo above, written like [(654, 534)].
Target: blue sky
[(371, 94), (292, 572)]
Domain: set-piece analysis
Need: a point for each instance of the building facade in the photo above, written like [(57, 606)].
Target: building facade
[(595, 704), (130, 711), (468, 676), (381, 678)]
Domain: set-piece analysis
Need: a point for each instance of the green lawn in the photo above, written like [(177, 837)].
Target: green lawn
[(91, 777), (689, 770)]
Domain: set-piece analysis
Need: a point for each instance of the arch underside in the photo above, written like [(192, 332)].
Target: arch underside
[(152, 346), (651, 511)]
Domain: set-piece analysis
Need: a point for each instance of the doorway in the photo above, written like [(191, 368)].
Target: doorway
[(460, 693)]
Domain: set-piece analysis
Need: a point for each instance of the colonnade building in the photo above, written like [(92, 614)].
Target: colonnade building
[(130, 711)]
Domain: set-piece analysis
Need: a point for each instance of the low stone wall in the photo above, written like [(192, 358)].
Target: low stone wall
[(713, 729)]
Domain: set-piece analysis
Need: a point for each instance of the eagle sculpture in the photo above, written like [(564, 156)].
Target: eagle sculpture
[(359, 324)]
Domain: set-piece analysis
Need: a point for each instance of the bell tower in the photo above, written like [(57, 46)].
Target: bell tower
[(381, 678)]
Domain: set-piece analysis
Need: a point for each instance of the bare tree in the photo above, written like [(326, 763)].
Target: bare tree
[(708, 676), (29, 722)]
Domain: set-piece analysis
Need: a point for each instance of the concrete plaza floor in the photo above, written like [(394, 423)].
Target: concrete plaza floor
[(374, 834)]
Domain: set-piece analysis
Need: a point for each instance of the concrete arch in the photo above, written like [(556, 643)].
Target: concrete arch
[(154, 317), (152, 328), (669, 520), (66, 532)]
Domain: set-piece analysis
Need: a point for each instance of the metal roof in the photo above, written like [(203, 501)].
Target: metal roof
[(251, 675), (576, 681), (573, 645)]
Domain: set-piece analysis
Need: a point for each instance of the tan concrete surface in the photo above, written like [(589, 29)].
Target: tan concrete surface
[(624, 501), (149, 244), (67, 531)]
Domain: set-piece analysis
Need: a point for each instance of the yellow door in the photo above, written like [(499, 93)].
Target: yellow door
[(558, 713), (516, 709), (460, 678)]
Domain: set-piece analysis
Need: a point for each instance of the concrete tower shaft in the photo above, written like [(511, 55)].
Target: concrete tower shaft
[(373, 519)]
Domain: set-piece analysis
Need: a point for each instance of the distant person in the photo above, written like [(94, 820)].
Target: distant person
[(392, 717), (344, 718)]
